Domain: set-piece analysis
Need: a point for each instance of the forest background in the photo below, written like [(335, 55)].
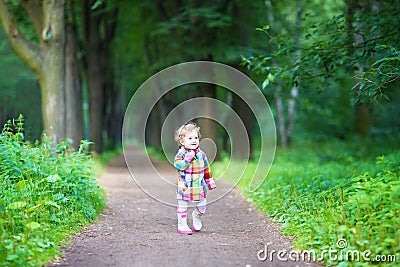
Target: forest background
[(329, 70)]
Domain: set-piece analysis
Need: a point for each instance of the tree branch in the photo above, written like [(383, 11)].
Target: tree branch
[(27, 51), (34, 10)]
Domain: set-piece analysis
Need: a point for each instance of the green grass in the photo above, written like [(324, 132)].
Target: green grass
[(321, 193), (156, 154), (47, 193), (100, 161)]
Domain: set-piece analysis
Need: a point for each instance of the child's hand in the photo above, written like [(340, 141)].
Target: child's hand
[(192, 153), (211, 184)]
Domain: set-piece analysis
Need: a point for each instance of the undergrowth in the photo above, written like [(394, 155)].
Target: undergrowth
[(328, 193), (47, 192)]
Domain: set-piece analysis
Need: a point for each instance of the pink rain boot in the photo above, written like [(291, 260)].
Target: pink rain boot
[(183, 228), (197, 225)]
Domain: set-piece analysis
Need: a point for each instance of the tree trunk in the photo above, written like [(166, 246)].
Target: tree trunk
[(362, 112), (207, 125), (52, 76), (113, 116), (363, 120), (281, 117), (242, 13), (96, 101), (295, 88), (99, 29), (47, 60), (74, 122), (247, 117), (51, 82), (159, 114), (95, 75), (292, 112), (113, 111)]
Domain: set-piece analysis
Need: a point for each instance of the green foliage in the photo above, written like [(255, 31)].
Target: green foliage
[(16, 83), (203, 21), (344, 45), (47, 193), (384, 70), (321, 193)]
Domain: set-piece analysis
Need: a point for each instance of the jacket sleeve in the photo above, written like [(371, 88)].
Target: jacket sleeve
[(208, 175), (182, 160)]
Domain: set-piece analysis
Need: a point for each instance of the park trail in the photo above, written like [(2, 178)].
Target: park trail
[(136, 230)]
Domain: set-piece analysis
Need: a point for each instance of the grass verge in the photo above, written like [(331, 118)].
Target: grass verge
[(325, 193)]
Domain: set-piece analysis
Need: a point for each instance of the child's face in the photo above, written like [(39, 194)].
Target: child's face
[(191, 140)]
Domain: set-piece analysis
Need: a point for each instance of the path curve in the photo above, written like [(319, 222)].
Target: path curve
[(136, 230)]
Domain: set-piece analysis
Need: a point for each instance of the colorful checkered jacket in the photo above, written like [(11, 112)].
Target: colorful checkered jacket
[(194, 175)]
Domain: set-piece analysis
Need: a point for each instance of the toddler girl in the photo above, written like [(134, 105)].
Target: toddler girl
[(194, 177)]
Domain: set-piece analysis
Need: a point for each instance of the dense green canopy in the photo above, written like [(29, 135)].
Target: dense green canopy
[(327, 70)]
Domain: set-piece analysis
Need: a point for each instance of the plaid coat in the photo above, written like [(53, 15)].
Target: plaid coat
[(194, 175)]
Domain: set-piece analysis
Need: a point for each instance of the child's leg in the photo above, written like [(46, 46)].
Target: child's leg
[(201, 208), (181, 211), (182, 205)]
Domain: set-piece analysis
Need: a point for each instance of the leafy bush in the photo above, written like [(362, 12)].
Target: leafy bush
[(325, 193), (47, 192)]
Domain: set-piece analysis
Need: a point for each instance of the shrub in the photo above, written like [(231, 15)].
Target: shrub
[(47, 192)]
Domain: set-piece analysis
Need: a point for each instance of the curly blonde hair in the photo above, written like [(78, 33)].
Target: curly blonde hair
[(184, 129)]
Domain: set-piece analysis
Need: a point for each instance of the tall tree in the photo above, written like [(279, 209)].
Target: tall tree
[(73, 92), (240, 30), (45, 57), (294, 91), (99, 21)]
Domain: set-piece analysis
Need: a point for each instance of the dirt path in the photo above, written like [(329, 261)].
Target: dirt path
[(135, 230)]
